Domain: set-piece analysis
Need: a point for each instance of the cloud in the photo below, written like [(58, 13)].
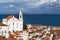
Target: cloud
[(3, 1), (38, 3), (11, 5), (25, 5)]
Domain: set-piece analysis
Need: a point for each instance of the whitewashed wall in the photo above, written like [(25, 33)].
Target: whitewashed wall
[(4, 31)]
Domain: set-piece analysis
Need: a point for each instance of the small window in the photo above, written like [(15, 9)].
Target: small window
[(0, 28), (20, 24), (17, 23), (5, 31)]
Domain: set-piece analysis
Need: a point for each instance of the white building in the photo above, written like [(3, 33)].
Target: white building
[(25, 35), (15, 24), (29, 26), (4, 30)]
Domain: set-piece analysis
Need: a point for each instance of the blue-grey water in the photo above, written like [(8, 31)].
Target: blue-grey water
[(45, 19)]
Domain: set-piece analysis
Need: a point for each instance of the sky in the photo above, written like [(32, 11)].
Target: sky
[(30, 6)]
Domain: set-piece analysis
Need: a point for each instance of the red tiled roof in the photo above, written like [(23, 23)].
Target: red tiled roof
[(3, 24), (57, 31), (9, 17), (2, 38), (25, 30)]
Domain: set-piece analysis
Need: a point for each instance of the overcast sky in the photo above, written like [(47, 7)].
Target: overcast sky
[(30, 6)]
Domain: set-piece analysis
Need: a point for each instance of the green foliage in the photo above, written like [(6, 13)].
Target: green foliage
[(24, 26)]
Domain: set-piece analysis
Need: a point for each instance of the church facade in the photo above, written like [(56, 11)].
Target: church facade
[(15, 24), (11, 24)]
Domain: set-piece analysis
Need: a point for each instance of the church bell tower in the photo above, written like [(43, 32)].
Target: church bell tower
[(20, 15), (20, 21)]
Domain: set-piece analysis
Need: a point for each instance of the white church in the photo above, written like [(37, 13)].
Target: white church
[(11, 24)]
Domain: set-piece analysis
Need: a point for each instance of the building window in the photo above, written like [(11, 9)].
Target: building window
[(5, 31), (20, 24), (9, 32), (13, 30), (0, 27)]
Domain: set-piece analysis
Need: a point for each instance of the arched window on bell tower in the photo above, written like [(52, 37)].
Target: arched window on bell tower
[(20, 15)]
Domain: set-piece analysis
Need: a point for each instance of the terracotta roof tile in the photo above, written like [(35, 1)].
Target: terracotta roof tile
[(9, 17), (25, 30), (3, 24), (57, 31)]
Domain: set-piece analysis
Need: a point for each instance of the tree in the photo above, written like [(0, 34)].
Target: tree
[(24, 26)]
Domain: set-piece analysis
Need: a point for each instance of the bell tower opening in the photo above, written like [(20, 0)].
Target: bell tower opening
[(20, 15)]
